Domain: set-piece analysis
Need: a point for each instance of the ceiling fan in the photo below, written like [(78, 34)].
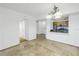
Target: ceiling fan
[(55, 9), (55, 12)]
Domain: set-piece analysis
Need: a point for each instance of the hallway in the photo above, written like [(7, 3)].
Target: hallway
[(41, 47)]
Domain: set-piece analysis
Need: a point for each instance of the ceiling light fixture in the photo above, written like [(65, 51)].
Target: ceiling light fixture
[(58, 14), (49, 17), (55, 12)]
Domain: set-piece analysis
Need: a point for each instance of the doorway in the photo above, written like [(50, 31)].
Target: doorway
[(22, 31), (41, 29)]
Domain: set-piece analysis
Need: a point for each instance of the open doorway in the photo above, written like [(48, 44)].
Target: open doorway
[(22, 31), (41, 29)]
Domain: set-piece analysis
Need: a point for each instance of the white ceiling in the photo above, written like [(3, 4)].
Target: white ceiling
[(40, 10)]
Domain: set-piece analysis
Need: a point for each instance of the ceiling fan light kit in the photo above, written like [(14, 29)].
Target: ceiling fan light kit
[(55, 13)]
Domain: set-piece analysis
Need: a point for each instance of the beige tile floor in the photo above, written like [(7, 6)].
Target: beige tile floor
[(41, 47)]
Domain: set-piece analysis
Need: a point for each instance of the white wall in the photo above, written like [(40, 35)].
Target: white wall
[(9, 27), (41, 27), (30, 28), (70, 38), (14, 24)]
